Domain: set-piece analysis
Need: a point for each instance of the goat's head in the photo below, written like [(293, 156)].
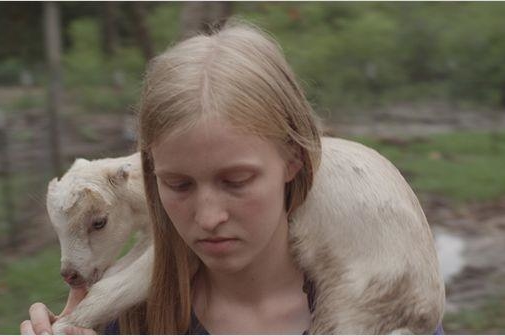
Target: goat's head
[(93, 219)]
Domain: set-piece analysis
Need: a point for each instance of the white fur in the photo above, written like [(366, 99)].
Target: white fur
[(91, 190), (360, 232), (361, 237)]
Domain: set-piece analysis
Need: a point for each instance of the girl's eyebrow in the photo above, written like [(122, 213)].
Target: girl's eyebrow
[(250, 167), (165, 174), (238, 168)]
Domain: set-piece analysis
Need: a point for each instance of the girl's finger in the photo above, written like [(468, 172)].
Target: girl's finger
[(25, 328), (41, 318)]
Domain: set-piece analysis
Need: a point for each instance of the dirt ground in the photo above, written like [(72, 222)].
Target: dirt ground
[(93, 135), (481, 229)]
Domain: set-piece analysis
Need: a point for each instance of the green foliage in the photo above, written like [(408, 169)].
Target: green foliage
[(94, 76), (325, 45), (348, 55), (462, 166), (84, 63), (96, 99), (474, 48), (367, 54), (31, 279), (164, 24), (128, 60), (10, 70)]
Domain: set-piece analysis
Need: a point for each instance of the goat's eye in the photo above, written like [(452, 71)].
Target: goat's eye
[(100, 223)]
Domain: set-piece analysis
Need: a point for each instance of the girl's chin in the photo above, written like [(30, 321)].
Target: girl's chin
[(223, 265)]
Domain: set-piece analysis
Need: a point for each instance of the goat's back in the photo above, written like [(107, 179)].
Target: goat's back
[(363, 239)]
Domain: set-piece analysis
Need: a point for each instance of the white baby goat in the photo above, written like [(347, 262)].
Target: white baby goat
[(361, 237)]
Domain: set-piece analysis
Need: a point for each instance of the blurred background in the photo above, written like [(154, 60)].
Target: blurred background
[(423, 83)]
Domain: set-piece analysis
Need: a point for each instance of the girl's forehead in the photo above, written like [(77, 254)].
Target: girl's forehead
[(205, 130), (210, 135), (213, 144)]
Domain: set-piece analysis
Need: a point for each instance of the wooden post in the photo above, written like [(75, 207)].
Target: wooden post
[(53, 51), (8, 201)]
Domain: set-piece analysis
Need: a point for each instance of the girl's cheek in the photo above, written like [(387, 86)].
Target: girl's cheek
[(174, 206), (258, 202), (249, 208)]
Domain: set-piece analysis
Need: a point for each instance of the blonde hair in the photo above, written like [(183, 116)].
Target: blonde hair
[(239, 74)]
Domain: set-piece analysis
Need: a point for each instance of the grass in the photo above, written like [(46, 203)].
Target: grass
[(22, 186), (31, 279), (28, 280), (26, 102), (465, 167), (489, 318)]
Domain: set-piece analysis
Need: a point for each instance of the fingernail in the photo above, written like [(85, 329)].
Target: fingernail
[(45, 333)]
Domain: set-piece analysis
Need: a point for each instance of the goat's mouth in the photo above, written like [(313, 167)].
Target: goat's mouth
[(95, 277), (88, 281), (78, 284)]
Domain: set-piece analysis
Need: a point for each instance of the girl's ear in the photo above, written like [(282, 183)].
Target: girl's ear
[(292, 168), (294, 162)]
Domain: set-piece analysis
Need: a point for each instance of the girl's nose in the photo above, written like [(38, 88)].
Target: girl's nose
[(210, 211)]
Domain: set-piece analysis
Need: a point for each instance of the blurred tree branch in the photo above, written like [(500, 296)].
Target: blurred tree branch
[(111, 37), (53, 51), (141, 29)]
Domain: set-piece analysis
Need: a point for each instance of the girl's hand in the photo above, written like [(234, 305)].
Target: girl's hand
[(41, 318)]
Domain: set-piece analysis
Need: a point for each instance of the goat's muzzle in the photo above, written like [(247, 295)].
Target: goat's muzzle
[(72, 277)]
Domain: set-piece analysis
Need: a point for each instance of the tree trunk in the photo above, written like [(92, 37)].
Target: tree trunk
[(141, 29), (204, 16), (53, 50), (110, 33)]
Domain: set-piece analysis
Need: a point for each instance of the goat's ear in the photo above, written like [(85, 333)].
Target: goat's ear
[(121, 174), (51, 187), (79, 162)]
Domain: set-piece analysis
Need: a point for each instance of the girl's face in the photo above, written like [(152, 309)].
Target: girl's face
[(224, 192)]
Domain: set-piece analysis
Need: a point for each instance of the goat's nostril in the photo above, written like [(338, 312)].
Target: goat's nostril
[(71, 277)]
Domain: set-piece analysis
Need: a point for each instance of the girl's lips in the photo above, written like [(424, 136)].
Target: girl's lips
[(217, 245), (215, 239)]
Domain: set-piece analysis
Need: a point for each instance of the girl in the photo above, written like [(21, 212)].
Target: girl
[(229, 147)]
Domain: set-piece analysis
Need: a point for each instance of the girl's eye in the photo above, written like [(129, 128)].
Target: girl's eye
[(180, 186), (238, 183)]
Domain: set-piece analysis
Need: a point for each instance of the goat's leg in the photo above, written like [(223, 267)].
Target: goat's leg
[(111, 296), (143, 242)]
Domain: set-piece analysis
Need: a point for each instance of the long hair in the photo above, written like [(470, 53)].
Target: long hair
[(238, 73)]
